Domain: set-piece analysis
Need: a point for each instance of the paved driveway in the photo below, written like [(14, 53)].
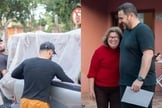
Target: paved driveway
[(157, 101)]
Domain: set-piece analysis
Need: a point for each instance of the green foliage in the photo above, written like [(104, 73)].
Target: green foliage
[(22, 11), (42, 22), (17, 10), (49, 23), (63, 9)]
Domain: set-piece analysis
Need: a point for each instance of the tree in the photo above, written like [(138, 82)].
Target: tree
[(23, 11), (63, 9), (15, 10)]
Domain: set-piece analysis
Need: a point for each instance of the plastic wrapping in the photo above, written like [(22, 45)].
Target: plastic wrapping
[(26, 45)]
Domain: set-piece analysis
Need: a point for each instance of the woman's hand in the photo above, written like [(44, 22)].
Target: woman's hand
[(91, 89), (92, 95)]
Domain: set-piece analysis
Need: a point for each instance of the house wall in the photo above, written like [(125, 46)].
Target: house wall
[(96, 18), (94, 24), (13, 30)]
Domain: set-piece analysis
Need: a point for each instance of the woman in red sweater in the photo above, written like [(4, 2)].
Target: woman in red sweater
[(103, 72)]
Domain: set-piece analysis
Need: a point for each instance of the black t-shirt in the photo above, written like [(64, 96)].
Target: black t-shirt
[(38, 74), (3, 63), (133, 43)]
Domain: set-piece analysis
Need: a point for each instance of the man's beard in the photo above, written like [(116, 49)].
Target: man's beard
[(122, 26)]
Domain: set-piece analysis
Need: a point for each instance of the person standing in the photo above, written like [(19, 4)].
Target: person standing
[(3, 68), (38, 73), (137, 67), (3, 59), (103, 75)]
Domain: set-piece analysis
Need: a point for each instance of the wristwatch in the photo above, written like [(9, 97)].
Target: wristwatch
[(139, 78)]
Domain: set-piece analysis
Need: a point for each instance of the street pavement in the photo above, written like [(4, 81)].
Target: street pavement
[(157, 101)]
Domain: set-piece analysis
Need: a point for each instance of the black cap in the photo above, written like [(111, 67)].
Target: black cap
[(48, 46)]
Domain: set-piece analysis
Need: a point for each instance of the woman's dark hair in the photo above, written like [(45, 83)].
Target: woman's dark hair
[(107, 33)]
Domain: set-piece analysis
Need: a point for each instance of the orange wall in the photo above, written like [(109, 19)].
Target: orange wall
[(94, 24), (96, 19), (13, 30)]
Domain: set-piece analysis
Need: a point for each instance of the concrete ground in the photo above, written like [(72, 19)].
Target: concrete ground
[(157, 101)]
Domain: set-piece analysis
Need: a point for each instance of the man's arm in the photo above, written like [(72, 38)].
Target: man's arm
[(146, 63), (18, 72), (62, 76), (145, 66)]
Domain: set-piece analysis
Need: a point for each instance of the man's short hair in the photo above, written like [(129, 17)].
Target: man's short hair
[(128, 8), (48, 46)]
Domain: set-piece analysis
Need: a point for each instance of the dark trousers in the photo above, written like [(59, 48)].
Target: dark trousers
[(4, 99), (126, 105), (106, 95)]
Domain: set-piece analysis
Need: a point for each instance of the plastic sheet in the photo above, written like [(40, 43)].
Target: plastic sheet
[(26, 45)]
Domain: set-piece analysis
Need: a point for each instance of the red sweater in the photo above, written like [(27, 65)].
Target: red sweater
[(104, 67)]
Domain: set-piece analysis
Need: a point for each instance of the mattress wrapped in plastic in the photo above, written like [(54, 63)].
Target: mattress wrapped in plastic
[(26, 45)]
